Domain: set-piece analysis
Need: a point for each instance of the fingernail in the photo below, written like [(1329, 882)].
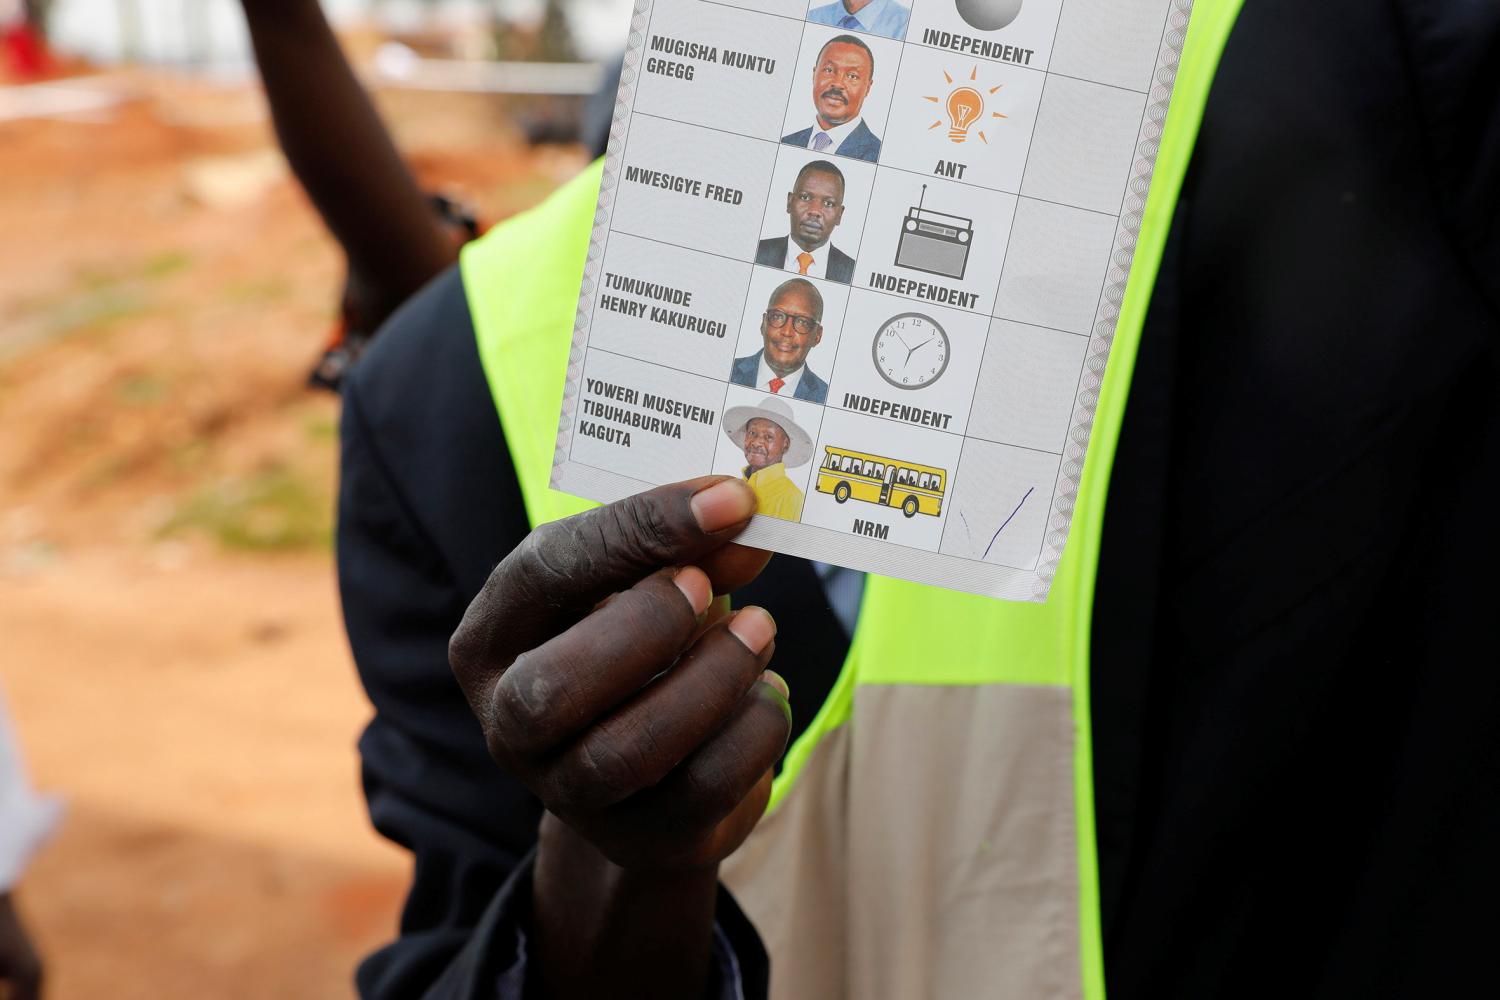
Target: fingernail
[(723, 504), (778, 682), (754, 627), (693, 583)]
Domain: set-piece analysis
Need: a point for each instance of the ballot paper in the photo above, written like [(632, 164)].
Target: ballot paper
[(870, 258)]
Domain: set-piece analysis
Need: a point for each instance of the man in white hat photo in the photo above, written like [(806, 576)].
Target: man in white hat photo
[(772, 442)]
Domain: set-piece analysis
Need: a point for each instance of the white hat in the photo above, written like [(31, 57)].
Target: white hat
[(776, 411)]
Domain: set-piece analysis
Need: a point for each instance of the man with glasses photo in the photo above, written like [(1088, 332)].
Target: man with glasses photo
[(791, 327)]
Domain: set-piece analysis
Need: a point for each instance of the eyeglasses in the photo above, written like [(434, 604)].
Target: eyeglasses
[(804, 325)]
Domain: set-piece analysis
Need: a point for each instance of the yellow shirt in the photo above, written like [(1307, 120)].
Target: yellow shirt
[(775, 494)]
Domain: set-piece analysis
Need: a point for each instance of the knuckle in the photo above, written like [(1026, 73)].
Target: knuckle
[(734, 669), (549, 556), (500, 751), (523, 710), (597, 776), (711, 789), (776, 725), (465, 649), (643, 523), (633, 741), (650, 622)]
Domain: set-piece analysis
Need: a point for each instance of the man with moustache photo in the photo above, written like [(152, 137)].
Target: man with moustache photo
[(815, 206), (791, 327), (842, 76)]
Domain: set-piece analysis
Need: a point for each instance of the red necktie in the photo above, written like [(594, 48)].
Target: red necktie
[(776, 384)]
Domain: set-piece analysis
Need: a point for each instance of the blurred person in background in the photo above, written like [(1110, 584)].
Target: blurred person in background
[(26, 820), (1292, 744), (23, 38), (394, 236)]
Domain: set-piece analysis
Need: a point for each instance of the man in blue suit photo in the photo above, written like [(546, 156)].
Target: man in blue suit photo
[(878, 17), (815, 207), (791, 326), (841, 82)]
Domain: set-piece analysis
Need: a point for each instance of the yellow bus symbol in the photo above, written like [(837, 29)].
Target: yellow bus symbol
[(915, 489)]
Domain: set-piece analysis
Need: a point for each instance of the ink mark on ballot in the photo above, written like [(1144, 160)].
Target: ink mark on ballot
[(873, 266)]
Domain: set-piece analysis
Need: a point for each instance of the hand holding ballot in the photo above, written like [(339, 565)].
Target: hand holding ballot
[(654, 767), (640, 713), (909, 224)]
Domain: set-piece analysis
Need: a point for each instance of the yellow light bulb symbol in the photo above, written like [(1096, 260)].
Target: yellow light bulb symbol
[(964, 106)]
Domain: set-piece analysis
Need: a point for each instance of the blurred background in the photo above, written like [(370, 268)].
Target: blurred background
[(170, 641)]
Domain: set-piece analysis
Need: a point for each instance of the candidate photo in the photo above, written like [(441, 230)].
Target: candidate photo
[(814, 208), (772, 442), (790, 328), (877, 17), (842, 76)]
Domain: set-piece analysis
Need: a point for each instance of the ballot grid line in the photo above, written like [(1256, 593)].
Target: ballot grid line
[(1000, 281), (878, 166), (633, 81), (991, 316), (938, 48), (631, 112), (770, 181), (1124, 194), (831, 406), (834, 533), (876, 291), (859, 288), (863, 227), (843, 410)]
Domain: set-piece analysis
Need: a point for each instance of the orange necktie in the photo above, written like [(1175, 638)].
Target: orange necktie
[(805, 259), (777, 383)]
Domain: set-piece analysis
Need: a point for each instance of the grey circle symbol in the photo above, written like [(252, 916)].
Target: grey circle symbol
[(939, 334), (988, 15)]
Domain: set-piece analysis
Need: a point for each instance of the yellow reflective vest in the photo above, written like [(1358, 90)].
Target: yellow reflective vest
[(932, 832)]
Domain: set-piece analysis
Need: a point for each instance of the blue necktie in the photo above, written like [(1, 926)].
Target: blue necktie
[(822, 141), (850, 21)]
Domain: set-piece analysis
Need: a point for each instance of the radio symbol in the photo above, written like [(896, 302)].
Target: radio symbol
[(934, 242)]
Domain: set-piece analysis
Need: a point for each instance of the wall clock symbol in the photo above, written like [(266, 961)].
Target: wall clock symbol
[(911, 351)]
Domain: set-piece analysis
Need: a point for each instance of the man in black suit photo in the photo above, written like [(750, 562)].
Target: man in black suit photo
[(815, 206), (842, 78)]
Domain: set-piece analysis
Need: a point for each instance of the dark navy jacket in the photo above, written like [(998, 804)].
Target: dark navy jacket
[(811, 388), (1295, 700), (861, 144), (772, 253)]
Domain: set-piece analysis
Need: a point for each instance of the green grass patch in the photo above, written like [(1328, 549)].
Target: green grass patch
[(93, 311), (144, 389), (321, 429), (260, 291), (276, 510), (165, 265)]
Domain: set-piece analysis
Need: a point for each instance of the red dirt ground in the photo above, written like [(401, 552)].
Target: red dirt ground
[(169, 634)]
